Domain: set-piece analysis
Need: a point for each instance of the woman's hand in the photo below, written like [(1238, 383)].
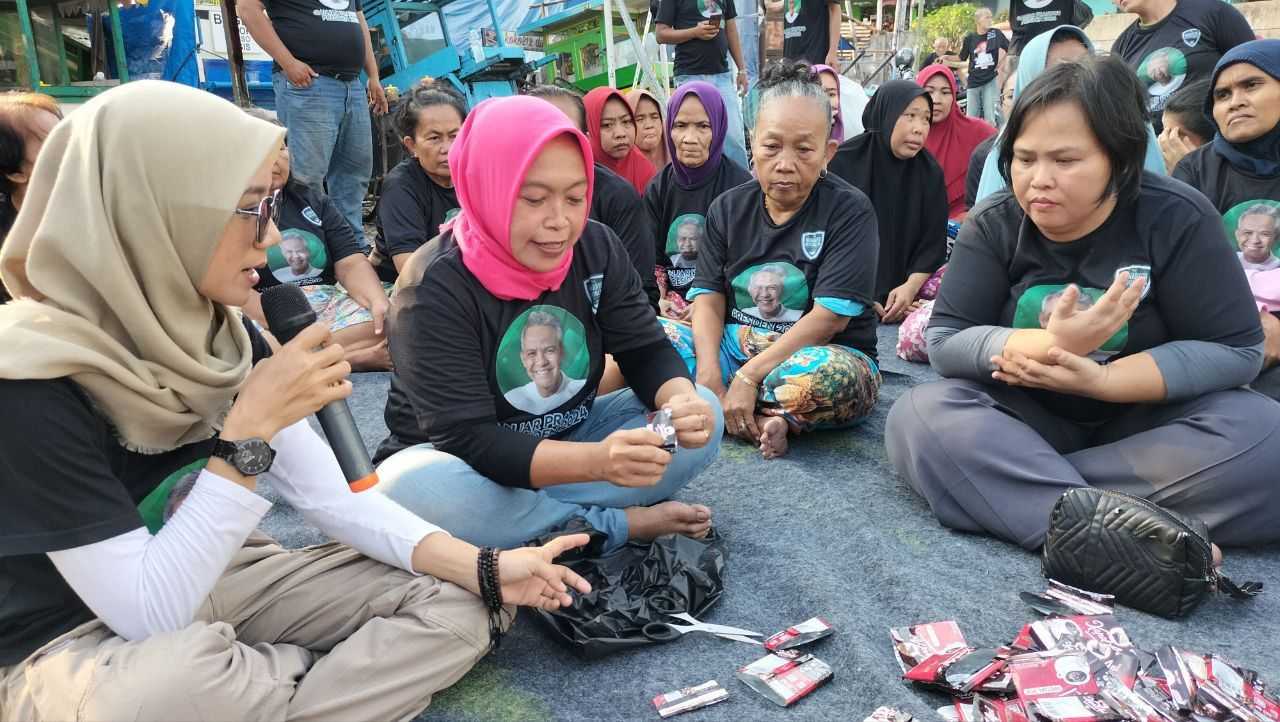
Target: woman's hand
[(739, 404), (378, 306), (1271, 340), (529, 579), (693, 419), (631, 457), (1066, 373), (290, 385), (1083, 332), (899, 303), (710, 378)]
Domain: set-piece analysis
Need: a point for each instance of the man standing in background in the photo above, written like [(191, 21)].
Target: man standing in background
[(749, 31), (811, 29), (985, 50), (319, 48), (705, 34)]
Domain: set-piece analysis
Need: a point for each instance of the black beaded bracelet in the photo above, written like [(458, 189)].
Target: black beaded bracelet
[(491, 592)]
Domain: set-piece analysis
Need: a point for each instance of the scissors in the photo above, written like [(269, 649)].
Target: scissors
[(667, 631)]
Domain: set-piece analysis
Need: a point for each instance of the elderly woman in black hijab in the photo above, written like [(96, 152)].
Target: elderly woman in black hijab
[(907, 188)]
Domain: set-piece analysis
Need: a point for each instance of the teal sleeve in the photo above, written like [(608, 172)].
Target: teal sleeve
[(841, 306)]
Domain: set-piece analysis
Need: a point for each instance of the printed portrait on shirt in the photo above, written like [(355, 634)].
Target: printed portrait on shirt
[(1252, 228), (543, 360), (158, 507), (684, 236), (300, 256), (792, 8), (776, 292), (448, 216), (1036, 305), (1163, 72)]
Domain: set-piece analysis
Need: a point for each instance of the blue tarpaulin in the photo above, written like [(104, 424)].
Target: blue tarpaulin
[(160, 41)]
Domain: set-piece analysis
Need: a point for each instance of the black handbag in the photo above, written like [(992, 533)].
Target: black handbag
[(1148, 557)]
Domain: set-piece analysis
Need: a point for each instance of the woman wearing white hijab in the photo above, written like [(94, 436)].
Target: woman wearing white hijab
[(133, 425)]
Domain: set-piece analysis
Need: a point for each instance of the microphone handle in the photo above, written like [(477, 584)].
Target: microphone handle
[(340, 429)]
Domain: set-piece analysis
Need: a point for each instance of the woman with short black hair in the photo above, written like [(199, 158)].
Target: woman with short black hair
[(25, 120), (1091, 313), (417, 194), (784, 329)]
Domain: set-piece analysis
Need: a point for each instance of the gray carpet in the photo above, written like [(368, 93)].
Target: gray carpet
[(828, 531)]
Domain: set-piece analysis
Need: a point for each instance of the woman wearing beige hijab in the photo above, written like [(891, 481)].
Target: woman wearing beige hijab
[(133, 425)]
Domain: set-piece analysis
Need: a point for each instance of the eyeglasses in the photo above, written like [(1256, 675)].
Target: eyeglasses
[(268, 209)]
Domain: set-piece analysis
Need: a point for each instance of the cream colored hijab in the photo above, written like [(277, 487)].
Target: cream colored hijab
[(127, 202)]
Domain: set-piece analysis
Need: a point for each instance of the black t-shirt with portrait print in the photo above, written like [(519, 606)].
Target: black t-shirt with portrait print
[(806, 30), (697, 56), (467, 362), (1004, 272), (983, 54), (68, 482), (314, 236), (324, 34), (409, 214), (1235, 194), (678, 217), (1181, 49), (615, 203), (828, 249), (1029, 18)]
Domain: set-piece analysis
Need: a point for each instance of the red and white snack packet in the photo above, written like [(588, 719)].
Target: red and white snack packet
[(1059, 687), (888, 714), (998, 709), (913, 645), (784, 679), (689, 699), (807, 631), (1100, 635)]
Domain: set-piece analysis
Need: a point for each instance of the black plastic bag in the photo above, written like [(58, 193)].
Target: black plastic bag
[(637, 585)]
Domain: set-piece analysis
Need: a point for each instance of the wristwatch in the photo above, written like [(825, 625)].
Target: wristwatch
[(249, 456)]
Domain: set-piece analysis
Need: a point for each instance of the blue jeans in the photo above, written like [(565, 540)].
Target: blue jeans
[(982, 101), (447, 492), (735, 144), (748, 23), (330, 142)]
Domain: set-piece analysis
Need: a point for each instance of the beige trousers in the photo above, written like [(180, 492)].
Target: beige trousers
[(322, 633)]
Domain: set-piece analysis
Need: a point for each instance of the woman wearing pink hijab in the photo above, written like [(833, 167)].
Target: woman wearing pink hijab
[(499, 343)]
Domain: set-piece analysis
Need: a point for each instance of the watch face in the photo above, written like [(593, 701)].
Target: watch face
[(253, 457)]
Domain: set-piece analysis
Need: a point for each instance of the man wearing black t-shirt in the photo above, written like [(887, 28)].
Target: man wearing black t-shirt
[(811, 29), (319, 48), (985, 51), (703, 31), (1029, 18), (1176, 42)]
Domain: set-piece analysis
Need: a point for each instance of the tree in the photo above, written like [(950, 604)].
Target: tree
[(952, 22)]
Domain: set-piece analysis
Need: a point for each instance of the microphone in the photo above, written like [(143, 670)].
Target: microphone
[(288, 312)]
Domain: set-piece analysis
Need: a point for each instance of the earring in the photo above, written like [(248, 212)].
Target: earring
[(823, 174)]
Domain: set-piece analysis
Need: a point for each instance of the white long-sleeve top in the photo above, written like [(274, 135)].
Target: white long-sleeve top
[(139, 584)]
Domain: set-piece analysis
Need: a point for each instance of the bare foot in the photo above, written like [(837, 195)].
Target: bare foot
[(670, 517), (773, 436), (373, 358), (1217, 556)]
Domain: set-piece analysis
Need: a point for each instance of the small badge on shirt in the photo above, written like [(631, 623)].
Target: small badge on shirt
[(1191, 37), (1136, 272), (593, 286), (310, 215), (811, 244)]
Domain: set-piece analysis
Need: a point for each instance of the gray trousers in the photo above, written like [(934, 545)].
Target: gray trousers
[(307, 635), (1268, 383), (989, 458)]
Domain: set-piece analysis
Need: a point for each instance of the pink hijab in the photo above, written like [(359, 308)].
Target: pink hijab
[(488, 162)]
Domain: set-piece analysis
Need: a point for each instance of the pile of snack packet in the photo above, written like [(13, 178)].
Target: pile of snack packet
[(783, 676), (1075, 665)]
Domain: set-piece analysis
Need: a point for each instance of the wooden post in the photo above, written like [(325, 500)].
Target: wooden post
[(235, 54)]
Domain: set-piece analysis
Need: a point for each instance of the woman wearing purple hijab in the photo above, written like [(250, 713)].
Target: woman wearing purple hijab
[(677, 198), (831, 84)]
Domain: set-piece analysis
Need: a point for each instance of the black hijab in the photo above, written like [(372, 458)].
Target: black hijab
[(910, 196)]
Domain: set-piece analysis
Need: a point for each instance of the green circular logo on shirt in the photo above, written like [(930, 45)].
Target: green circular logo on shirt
[(1252, 228), (684, 237), (298, 256), (448, 216), (775, 291), (793, 10), (1163, 71), (1036, 304), (543, 360), (709, 8)]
